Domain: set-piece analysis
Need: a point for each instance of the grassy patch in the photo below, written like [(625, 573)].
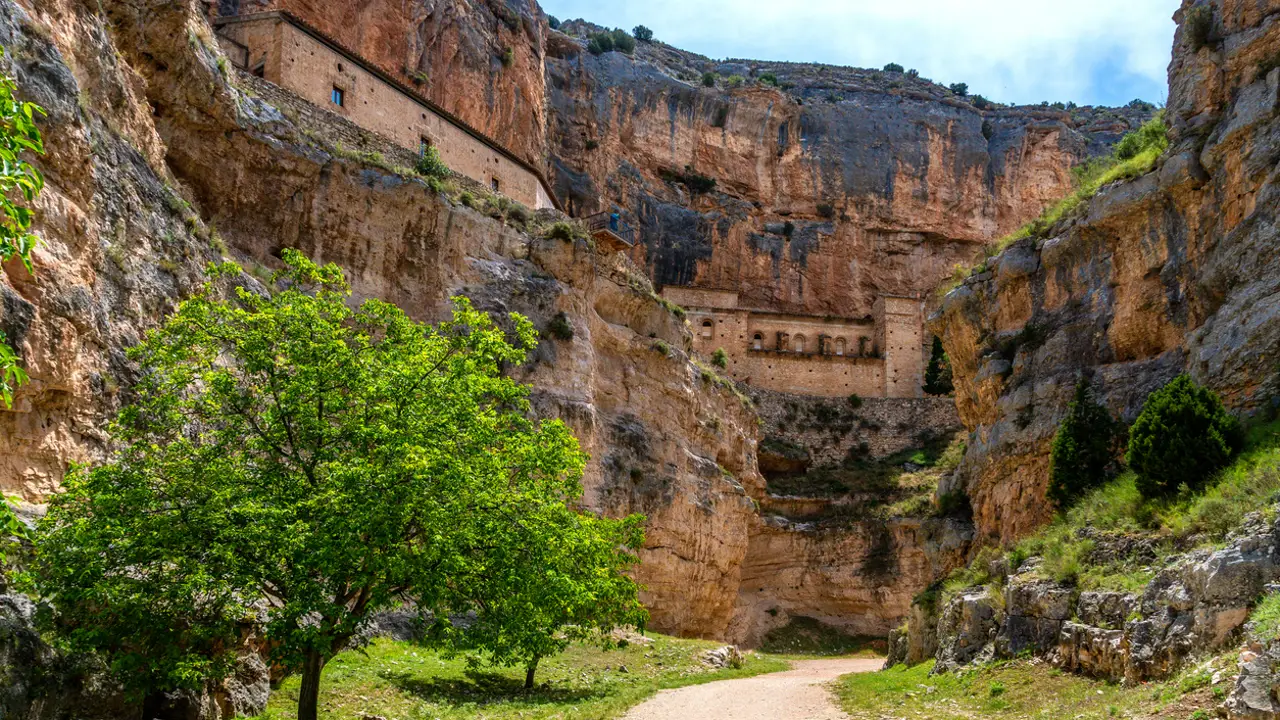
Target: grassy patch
[(1117, 512), (402, 681), (1266, 618), (807, 637), (1018, 689)]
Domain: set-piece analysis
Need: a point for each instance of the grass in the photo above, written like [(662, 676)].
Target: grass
[(1265, 618), (1022, 689), (1117, 512), (1141, 150), (401, 681)]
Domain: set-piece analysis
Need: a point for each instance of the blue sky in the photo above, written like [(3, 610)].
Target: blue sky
[(1104, 52)]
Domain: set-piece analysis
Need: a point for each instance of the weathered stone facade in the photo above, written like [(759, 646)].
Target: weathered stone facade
[(879, 355), (287, 52)]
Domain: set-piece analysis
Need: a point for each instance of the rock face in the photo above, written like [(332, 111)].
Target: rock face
[(1196, 603), (1175, 271), (845, 186)]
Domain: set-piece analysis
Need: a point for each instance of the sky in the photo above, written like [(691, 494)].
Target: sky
[(1092, 52)]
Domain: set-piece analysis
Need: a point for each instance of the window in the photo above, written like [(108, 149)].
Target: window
[(424, 144), (798, 343), (706, 328), (840, 346), (339, 96), (495, 185), (757, 342)]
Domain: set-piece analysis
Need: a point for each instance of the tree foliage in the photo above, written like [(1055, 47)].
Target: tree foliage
[(20, 182), (430, 165), (937, 377), (642, 33), (1182, 437), (300, 463), (1084, 448), (893, 68), (961, 89)]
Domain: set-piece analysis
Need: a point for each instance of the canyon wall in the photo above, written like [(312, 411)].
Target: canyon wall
[(1172, 272), (833, 185)]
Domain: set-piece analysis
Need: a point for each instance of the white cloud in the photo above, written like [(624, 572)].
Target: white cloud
[(1009, 50)]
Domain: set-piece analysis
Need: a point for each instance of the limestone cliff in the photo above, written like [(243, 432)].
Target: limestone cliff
[(1175, 271), (833, 185), (152, 144)]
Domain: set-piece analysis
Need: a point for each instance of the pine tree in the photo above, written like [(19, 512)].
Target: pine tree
[(937, 377), (1084, 449)]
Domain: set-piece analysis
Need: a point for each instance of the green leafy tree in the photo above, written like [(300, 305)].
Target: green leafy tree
[(937, 377), (720, 358), (20, 182), (430, 165), (304, 463), (893, 68), (622, 41), (1084, 448), (1182, 437), (960, 89), (708, 79), (643, 34), (540, 590)]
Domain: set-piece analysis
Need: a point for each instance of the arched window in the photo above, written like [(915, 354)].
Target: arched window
[(757, 342), (840, 346), (798, 343), (707, 328)]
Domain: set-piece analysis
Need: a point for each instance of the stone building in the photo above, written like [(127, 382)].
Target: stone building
[(879, 355), (282, 49)]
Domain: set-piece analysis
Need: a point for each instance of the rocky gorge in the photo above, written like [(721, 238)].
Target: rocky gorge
[(762, 508)]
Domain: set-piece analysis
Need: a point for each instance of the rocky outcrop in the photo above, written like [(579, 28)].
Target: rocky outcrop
[(1174, 271), (1196, 603)]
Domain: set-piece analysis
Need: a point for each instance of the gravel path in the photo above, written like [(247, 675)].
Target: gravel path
[(797, 694)]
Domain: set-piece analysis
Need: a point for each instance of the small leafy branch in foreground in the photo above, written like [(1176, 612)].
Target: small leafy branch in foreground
[(297, 460), (20, 182)]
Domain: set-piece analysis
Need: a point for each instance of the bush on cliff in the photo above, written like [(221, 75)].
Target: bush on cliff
[(430, 165), (937, 377), (961, 89), (295, 459), (1181, 439), (893, 68), (1084, 449), (643, 34), (708, 79)]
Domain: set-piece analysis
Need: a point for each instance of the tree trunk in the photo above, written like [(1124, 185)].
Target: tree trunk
[(309, 693), (528, 674)]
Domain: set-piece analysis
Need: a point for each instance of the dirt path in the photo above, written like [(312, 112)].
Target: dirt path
[(797, 694)]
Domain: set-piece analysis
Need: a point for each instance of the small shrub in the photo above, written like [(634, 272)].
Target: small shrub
[(662, 347), (961, 89), (735, 81), (1083, 449), (1199, 26), (981, 102), (768, 79), (855, 401), (560, 328), (430, 165), (708, 79), (1182, 437), (913, 73), (643, 34), (467, 199), (508, 57), (996, 689), (623, 42), (937, 377), (826, 210), (720, 358), (563, 230), (599, 43), (893, 68)]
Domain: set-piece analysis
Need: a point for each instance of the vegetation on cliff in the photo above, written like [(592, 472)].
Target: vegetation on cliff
[(292, 459), (1084, 448), (1182, 437)]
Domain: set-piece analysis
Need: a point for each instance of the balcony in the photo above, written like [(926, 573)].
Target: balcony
[(609, 230)]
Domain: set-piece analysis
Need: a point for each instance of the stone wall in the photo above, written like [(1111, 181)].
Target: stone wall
[(295, 58)]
